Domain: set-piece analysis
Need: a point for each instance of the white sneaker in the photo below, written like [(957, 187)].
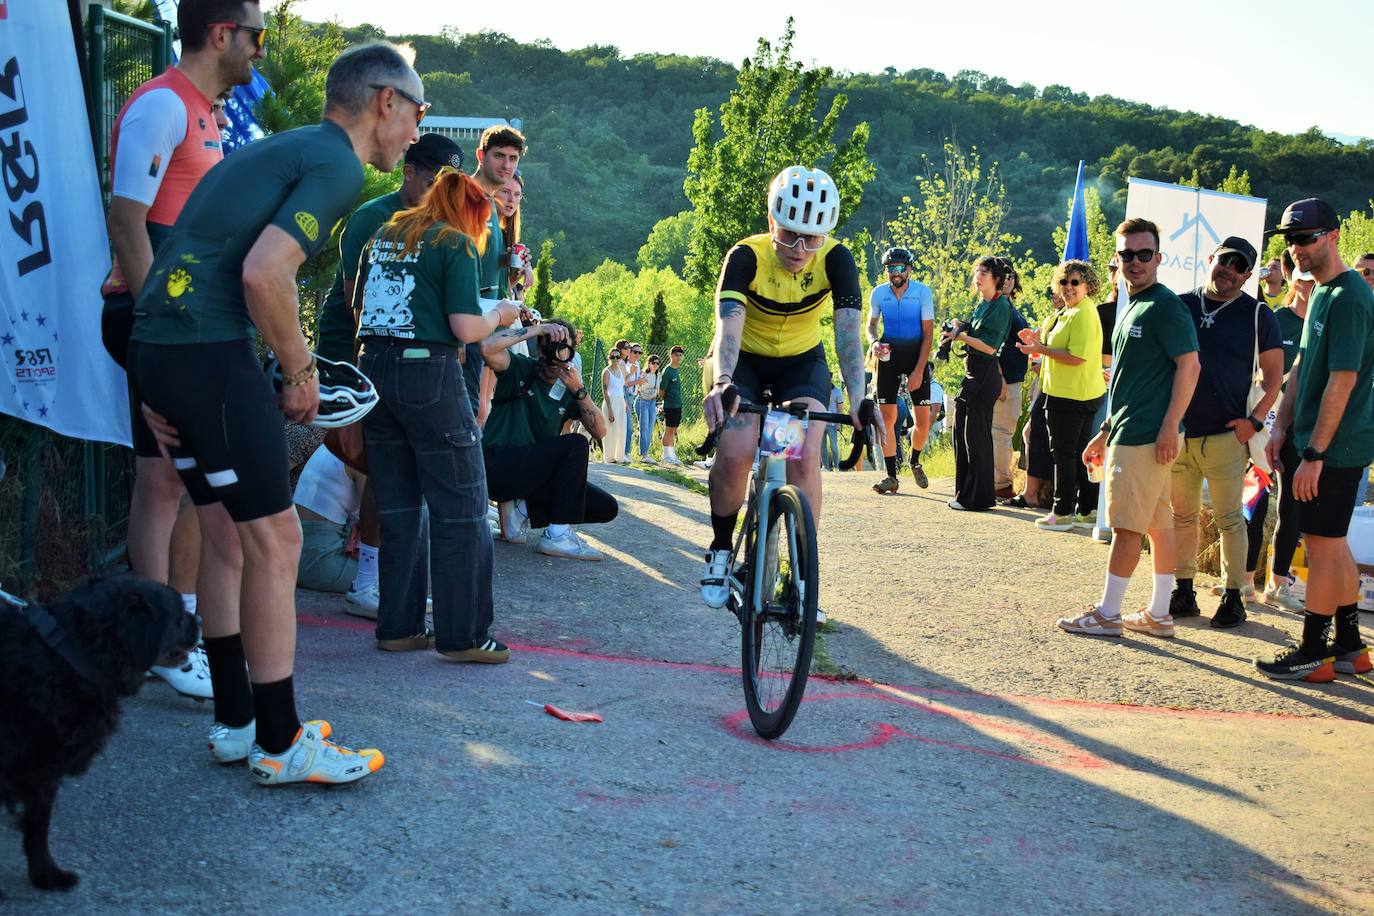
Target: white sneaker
[(1282, 596), (1247, 594), (364, 602), (714, 589), (514, 526), (569, 546), (672, 461), (192, 679), (704, 465), (311, 758)]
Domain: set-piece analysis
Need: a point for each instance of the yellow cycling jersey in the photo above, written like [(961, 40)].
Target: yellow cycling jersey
[(782, 310)]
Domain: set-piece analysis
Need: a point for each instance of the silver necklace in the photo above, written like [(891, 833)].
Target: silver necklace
[(1209, 318)]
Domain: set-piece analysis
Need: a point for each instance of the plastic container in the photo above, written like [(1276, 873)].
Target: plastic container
[(1360, 537)]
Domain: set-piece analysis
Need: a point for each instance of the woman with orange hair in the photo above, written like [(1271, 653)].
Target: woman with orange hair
[(417, 295)]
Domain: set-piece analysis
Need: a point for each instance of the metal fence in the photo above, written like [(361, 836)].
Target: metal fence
[(64, 502)]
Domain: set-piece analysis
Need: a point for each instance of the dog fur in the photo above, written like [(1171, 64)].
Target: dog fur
[(55, 722)]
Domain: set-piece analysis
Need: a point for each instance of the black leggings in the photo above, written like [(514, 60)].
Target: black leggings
[(973, 464), (1070, 427), (551, 477)]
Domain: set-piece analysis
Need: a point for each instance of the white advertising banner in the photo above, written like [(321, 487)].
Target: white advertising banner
[(1192, 223), (54, 251)]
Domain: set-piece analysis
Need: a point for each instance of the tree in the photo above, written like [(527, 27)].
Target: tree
[(766, 124), (542, 299), (658, 324), (1101, 235), (668, 243), (1357, 235)]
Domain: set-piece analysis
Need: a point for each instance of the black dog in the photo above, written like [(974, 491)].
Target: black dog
[(65, 668)]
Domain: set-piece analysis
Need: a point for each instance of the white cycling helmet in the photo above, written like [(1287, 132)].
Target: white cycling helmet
[(804, 201), (346, 395)]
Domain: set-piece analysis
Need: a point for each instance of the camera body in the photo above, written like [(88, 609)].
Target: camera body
[(942, 352), (555, 352)]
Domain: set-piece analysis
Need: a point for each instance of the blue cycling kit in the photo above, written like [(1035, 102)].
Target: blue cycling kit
[(902, 316)]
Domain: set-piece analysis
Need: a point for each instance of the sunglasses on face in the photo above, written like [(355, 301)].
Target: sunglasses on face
[(636, 352), (897, 268), (1071, 281), (421, 106), (1235, 262), (259, 35), (1367, 271), (1144, 255), (789, 239), (1300, 239)]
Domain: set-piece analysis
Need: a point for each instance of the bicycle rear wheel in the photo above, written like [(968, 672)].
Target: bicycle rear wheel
[(779, 623)]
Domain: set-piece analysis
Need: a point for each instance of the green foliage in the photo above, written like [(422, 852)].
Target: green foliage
[(658, 324), (1101, 239), (668, 243), (295, 68), (612, 302), (542, 296), (1357, 234), (766, 124)]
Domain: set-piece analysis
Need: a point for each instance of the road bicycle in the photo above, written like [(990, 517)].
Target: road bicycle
[(773, 580)]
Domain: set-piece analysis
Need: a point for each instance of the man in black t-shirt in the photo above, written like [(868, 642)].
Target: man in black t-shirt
[(1231, 328)]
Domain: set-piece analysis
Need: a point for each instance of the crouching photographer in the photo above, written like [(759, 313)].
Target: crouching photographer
[(537, 475)]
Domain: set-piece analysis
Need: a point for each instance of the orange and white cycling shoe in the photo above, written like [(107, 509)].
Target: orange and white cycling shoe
[(231, 745), (311, 758)]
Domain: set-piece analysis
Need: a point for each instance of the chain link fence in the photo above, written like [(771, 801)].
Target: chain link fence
[(64, 502)]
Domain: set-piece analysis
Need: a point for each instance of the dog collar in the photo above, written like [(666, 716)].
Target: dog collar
[(56, 638)]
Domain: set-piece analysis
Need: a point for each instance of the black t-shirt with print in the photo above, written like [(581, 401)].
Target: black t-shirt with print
[(1226, 349)]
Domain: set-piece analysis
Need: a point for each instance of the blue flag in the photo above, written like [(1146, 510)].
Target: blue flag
[(1076, 245)]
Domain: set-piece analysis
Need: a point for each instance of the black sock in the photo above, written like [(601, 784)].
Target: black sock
[(229, 679), (1315, 628), (915, 456), (1183, 585), (1348, 627), (891, 465), (723, 530), (1233, 593), (275, 704)]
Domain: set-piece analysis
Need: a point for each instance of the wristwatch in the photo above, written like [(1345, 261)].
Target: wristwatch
[(1257, 424), (579, 394), (1311, 454)]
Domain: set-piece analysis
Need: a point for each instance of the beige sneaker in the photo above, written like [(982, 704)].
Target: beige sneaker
[(1091, 623), (1143, 621)]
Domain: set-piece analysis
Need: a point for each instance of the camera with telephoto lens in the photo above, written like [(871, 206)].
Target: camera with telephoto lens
[(942, 353), (555, 352)]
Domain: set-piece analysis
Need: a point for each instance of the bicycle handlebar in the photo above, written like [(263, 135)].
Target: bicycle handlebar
[(730, 396)]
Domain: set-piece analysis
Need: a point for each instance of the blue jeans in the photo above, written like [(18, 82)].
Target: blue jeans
[(648, 413), (629, 423), (423, 446)]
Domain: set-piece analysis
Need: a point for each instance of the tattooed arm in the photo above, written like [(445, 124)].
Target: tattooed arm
[(726, 344), (496, 348)]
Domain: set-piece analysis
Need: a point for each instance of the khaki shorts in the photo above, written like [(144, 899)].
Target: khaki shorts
[(1138, 489)]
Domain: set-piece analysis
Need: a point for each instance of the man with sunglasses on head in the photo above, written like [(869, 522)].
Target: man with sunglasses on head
[(772, 294), (226, 274), (1156, 370), (1330, 406), (1232, 327), (164, 140), (906, 310)]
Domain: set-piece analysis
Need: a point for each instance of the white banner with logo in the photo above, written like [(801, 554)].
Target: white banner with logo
[(54, 251), (1192, 223)]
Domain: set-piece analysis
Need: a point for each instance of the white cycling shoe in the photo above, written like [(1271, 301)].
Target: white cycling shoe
[(715, 590), (192, 678)]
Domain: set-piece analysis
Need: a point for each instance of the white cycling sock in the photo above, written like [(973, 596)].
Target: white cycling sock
[(367, 568), (558, 531), (1113, 594), (190, 602), (521, 508), (1159, 599)]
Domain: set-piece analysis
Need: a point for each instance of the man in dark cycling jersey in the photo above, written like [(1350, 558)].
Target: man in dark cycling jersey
[(225, 274), (906, 310), (773, 288)]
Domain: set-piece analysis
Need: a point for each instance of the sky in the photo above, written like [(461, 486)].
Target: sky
[(1221, 57)]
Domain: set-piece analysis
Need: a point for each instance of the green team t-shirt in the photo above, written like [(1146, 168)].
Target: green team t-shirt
[(525, 409), (991, 321), (301, 181), (1338, 337), (336, 328), (1151, 332), (1290, 335), (671, 386), (409, 294)]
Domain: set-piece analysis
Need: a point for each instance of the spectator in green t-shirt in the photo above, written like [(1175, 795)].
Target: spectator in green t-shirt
[(670, 392), (1329, 404), (1156, 371)]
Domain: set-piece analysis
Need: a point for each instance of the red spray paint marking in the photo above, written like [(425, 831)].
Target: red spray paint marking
[(333, 623)]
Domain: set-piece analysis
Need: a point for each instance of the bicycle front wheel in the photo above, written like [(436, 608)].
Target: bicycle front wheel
[(779, 622)]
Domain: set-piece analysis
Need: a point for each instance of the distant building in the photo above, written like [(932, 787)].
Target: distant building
[(466, 128)]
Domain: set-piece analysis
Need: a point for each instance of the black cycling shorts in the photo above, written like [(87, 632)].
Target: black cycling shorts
[(672, 417), (903, 362), (1328, 516), (804, 375), (116, 324), (233, 436)]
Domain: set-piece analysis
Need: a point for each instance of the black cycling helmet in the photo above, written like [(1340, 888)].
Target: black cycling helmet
[(897, 255), (346, 395)]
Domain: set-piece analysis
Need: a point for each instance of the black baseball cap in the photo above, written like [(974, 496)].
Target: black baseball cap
[(1307, 215), (677, 350), (1234, 244), (434, 151)]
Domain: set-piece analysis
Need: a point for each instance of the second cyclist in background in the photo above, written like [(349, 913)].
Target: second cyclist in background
[(906, 310)]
